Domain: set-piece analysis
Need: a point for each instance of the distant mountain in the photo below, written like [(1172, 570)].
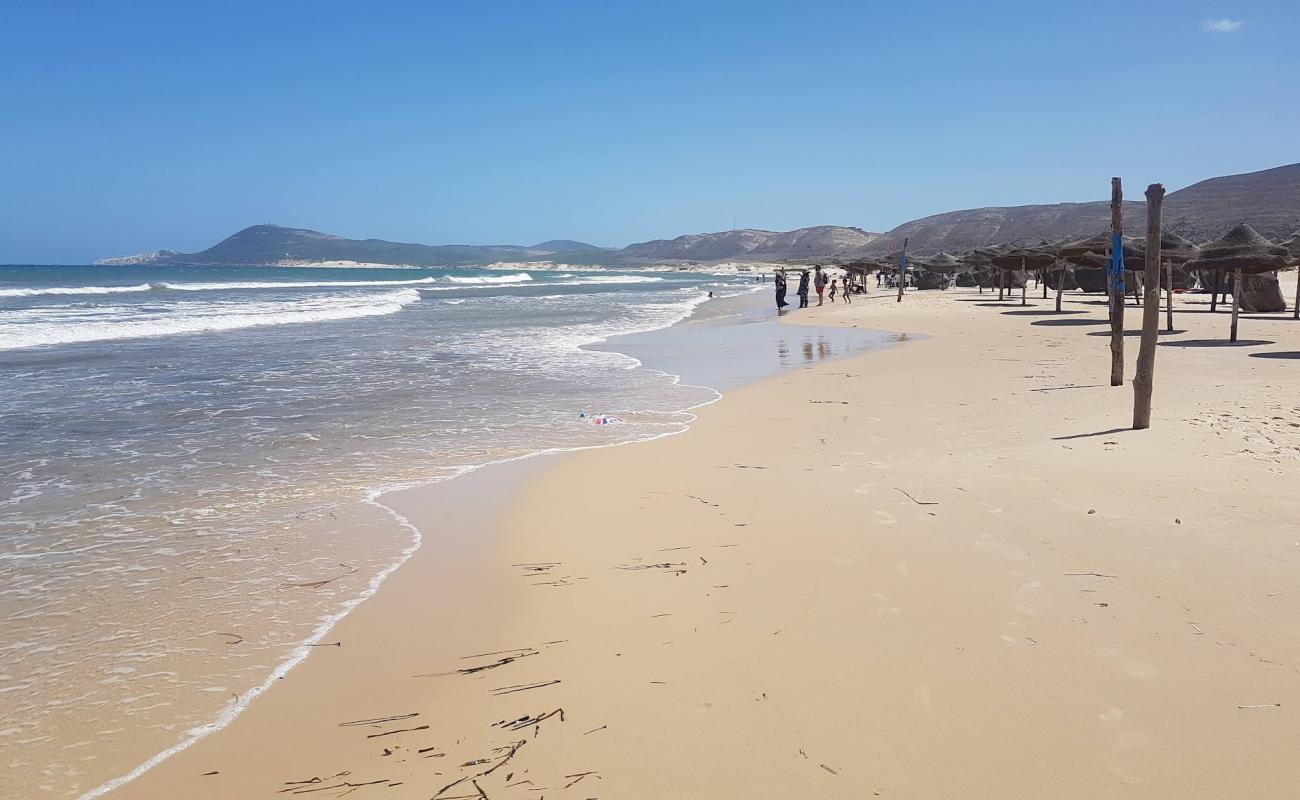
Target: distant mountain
[(269, 244), (563, 246), (823, 241), (1269, 200)]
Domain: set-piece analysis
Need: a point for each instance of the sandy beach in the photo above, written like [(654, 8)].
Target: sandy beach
[(944, 569)]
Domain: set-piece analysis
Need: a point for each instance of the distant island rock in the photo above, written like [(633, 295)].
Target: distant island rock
[(151, 257), (1269, 200)]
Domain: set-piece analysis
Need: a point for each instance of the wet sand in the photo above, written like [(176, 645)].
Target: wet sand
[(945, 569)]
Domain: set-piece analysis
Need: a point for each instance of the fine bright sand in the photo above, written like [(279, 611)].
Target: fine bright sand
[(943, 570)]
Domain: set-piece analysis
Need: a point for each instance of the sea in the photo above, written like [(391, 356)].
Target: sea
[(193, 459)]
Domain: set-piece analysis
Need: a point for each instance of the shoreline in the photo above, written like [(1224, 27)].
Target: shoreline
[(561, 473), (739, 306)]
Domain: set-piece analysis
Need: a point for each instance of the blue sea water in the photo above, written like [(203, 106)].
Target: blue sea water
[(187, 455)]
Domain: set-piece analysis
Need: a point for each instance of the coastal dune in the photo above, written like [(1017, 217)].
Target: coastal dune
[(945, 569)]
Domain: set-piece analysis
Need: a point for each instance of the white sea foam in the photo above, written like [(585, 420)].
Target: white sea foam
[(590, 280), (64, 325), (519, 277), (37, 292)]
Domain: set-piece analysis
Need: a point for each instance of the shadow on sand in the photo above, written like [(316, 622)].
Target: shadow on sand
[(1292, 355), (1089, 435), (1217, 343), (1163, 332), (1062, 323), (1045, 313)]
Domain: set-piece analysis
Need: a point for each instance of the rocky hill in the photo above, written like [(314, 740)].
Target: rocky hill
[(823, 241), (1269, 200)]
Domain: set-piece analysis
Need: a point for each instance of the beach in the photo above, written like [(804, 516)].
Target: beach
[(946, 568)]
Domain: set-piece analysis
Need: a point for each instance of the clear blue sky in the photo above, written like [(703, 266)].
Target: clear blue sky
[(133, 125)]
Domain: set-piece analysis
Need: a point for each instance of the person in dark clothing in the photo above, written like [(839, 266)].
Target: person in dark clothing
[(803, 289), (780, 291)]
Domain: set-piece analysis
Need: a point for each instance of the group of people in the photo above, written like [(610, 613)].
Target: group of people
[(819, 282)]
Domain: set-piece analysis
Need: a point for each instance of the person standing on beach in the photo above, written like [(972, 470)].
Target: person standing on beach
[(780, 291), (833, 280), (848, 289), (803, 289), (819, 282)]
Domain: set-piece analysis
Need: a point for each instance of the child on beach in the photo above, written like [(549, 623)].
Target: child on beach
[(833, 290)]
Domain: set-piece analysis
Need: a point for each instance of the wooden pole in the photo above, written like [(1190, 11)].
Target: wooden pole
[(1060, 285), (1116, 283), (1214, 295), (1024, 290), (1002, 283), (902, 270), (1296, 313), (1042, 278), (1236, 302), (1144, 377), (1169, 297)]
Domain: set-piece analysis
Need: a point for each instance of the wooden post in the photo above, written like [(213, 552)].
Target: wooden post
[(1024, 290), (1060, 285), (1236, 302), (1002, 283), (1169, 297), (1116, 284), (1296, 313), (1144, 377), (902, 270), (1214, 295), (1042, 278)]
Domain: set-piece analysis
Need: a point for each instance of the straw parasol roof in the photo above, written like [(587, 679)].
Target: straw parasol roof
[(1293, 244), (1173, 248), (946, 263), (1091, 252), (1021, 258), (1241, 249)]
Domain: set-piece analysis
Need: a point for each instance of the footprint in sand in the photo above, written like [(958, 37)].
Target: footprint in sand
[(885, 518), (1127, 756), (864, 488), (922, 694), (887, 610), (1111, 714)]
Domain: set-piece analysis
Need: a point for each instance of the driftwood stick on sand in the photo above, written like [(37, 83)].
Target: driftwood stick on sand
[(1088, 574), (399, 730), (914, 500), (379, 720), (522, 687), (1263, 705)]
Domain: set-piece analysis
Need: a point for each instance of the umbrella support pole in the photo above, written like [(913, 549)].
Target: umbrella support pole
[(1024, 294), (1042, 278), (1296, 313), (1236, 302), (1214, 293), (1169, 296), (1060, 285)]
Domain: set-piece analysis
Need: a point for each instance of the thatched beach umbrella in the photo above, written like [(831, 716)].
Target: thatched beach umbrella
[(935, 272), (1174, 250), (980, 262), (1093, 254), (1240, 251), (1022, 259)]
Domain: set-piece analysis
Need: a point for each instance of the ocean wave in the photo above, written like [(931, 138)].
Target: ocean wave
[(593, 280), (519, 277), (126, 322), (210, 287), (37, 292)]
